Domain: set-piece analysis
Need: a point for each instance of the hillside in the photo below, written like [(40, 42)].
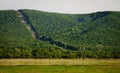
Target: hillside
[(49, 35), (97, 29)]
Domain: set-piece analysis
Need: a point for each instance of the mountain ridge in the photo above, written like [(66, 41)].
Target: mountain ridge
[(70, 34)]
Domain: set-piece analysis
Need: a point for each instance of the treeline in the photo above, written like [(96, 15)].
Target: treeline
[(57, 53)]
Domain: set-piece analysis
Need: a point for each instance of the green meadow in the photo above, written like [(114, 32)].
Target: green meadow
[(59, 66)]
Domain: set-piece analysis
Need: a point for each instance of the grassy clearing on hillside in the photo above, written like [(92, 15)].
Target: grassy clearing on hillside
[(59, 66)]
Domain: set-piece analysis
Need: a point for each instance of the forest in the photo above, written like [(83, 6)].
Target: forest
[(94, 35)]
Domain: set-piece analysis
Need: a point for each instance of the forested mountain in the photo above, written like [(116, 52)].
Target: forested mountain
[(95, 35)]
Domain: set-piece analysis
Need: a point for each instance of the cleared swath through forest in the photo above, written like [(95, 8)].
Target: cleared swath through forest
[(24, 18)]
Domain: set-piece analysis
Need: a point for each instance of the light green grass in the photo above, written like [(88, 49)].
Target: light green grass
[(60, 69), (59, 66)]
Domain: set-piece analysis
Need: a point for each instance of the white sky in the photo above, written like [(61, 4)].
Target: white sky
[(62, 6)]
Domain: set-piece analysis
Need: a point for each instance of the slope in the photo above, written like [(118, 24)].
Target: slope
[(81, 30), (16, 40), (11, 36), (37, 34)]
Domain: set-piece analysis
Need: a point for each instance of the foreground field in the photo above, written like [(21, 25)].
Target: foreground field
[(60, 69), (59, 66)]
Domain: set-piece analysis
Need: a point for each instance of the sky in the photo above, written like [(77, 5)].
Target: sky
[(62, 6)]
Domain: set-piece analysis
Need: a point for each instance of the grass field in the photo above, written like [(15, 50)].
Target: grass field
[(59, 65)]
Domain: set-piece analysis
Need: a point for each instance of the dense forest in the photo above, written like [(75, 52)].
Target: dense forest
[(95, 35)]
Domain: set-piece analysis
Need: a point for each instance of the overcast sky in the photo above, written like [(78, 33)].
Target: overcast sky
[(62, 6)]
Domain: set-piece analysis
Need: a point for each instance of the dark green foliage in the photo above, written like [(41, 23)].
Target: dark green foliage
[(57, 53), (86, 30), (13, 32), (93, 35)]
